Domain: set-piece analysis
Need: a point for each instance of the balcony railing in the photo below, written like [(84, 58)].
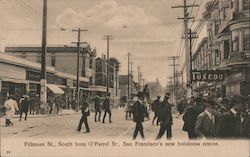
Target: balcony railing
[(240, 57)]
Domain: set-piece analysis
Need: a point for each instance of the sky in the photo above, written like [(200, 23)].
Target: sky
[(147, 29)]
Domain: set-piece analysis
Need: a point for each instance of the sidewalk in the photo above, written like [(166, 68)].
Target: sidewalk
[(62, 113)]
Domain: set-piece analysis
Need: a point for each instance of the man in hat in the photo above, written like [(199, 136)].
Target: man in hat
[(97, 108), (11, 107), (207, 121), (106, 107), (156, 109), (190, 116), (139, 112), (165, 118), (24, 106), (85, 113), (230, 125)]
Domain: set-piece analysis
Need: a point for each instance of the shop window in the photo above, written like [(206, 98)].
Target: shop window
[(246, 39), (246, 4), (235, 40)]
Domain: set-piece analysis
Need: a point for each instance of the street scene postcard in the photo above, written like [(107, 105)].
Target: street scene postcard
[(125, 78)]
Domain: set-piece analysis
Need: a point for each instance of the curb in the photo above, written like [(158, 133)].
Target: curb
[(48, 115)]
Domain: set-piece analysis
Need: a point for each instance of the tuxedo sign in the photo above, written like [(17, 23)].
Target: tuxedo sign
[(208, 75)]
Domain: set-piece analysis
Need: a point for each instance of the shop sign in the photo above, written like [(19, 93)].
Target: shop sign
[(208, 75)]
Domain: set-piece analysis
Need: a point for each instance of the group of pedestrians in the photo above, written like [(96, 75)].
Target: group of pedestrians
[(163, 115), (106, 106), (206, 117), (25, 104)]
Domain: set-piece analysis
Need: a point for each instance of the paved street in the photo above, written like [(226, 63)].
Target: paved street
[(65, 125)]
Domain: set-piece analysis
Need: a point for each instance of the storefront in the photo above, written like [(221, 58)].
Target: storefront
[(12, 81)]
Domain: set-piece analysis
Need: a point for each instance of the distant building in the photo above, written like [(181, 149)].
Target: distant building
[(155, 89)]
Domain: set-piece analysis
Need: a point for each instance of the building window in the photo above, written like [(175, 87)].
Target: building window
[(217, 56), (53, 61), (246, 4), (39, 59), (226, 49), (235, 40), (216, 28), (246, 39)]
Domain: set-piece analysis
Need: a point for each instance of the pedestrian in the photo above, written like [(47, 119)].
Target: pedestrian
[(246, 120), (207, 121), (24, 106), (190, 117), (10, 109), (57, 104), (51, 104), (32, 104), (139, 112), (165, 118), (156, 109), (106, 107), (146, 93), (97, 108), (37, 103), (85, 113), (230, 125)]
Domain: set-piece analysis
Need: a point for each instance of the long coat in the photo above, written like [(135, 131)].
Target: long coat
[(24, 104), (11, 107), (139, 112), (106, 104), (165, 114), (230, 126), (97, 103), (205, 127), (190, 117)]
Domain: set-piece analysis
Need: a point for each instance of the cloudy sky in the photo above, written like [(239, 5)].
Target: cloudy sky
[(148, 29)]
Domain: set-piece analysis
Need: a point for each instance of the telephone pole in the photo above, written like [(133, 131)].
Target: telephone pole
[(128, 75), (43, 81), (186, 18), (191, 35), (139, 78), (108, 38), (131, 74), (174, 58), (78, 43)]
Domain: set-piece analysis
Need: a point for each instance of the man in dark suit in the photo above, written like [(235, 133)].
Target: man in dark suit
[(156, 109), (85, 113), (97, 108), (106, 107), (230, 125), (165, 118), (207, 121), (24, 106), (139, 112), (190, 116)]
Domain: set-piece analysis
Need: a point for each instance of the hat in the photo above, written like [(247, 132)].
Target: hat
[(158, 97), (140, 94), (167, 94)]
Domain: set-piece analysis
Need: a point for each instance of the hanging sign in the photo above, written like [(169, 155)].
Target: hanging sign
[(208, 75)]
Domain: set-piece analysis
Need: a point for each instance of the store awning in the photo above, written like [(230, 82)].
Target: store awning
[(14, 80), (55, 89)]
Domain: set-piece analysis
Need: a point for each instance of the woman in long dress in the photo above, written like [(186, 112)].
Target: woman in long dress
[(11, 107)]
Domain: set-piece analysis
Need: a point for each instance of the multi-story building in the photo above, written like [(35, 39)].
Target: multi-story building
[(62, 58), (101, 75), (228, 44)]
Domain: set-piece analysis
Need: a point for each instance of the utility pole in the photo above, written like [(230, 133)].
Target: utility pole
[(174, 58), (43, 81), (191, 35), (108, 38), (131, 74), (186, 20), (78, 43), (139, 78), (128, 74)]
